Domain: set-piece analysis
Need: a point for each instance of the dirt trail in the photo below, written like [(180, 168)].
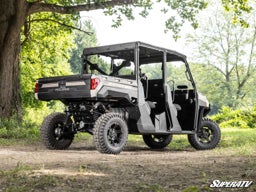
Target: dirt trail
[(135, 169)]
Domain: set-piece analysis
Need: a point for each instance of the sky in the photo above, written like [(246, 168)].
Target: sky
[(149, 30)]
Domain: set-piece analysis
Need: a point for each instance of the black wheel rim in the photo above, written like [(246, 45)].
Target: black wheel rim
[(205, 135), (158, 138), (58, 131), (115, 135)]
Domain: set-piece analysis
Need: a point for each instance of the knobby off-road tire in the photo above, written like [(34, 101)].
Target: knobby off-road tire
[(157, 141), (110, 133), (51, 128), (208, 137)]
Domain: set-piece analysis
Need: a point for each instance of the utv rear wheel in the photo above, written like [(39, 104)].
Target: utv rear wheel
[(110, 133), (207, 137), (157, 141), (52, 132)]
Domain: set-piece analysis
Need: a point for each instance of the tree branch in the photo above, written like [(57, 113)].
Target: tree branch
[(60, 23), (217, 68), (36, 7), (220, 36), (252, 50), (249, 70)]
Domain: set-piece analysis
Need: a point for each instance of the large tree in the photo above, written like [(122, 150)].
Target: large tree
[(228, 54), (14, 14)]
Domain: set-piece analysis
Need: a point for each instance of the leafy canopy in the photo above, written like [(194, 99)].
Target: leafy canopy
[(45, 52), (238, 8)]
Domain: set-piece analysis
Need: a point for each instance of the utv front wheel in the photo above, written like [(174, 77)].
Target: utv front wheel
[(110, 133), (207, 137), (53, 132), (157, 141)]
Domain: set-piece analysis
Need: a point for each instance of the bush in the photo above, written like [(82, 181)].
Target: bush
[(31, 122), (242, 118), (12, 129)]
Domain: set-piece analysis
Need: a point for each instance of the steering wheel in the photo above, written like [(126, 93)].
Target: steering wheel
[(143, 76)]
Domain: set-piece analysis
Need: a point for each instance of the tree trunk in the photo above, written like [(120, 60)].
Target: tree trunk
[(13, 14)]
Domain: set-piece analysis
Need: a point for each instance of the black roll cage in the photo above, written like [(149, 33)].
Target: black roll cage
[(140, 53)]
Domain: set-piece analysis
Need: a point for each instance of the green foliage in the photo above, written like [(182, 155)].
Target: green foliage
[(180, 12), (11, 129), (45, 52), (187, 10), (242, 118), (238, 8), (28, 130), (209, 83), (81, 41), (36, 115), (152, 71), (226, 53)]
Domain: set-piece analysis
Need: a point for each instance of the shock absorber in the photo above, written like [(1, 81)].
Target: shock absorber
[(98, 109)]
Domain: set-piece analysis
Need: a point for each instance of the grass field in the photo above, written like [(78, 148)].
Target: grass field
[(233, 140), (236, 149)]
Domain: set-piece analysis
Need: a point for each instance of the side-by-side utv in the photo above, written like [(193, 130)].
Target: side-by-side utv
[(130, 88)]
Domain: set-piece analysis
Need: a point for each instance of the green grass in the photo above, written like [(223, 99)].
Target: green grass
[(22, 179), (238, 141), (233, 140), (13, 133)]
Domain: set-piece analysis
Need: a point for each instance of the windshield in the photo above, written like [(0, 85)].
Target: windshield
[(119, 64)]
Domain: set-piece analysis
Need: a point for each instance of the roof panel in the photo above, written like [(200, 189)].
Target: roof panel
[(145, 49)]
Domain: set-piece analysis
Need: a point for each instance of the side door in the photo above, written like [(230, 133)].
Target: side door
[(183, 93)]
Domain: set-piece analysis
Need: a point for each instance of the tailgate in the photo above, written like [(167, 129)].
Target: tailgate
[(63, 87)]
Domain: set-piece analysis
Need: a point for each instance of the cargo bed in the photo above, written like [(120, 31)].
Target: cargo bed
[(63, 87)]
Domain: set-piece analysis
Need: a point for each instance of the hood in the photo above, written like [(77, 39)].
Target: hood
[(202, 100)]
